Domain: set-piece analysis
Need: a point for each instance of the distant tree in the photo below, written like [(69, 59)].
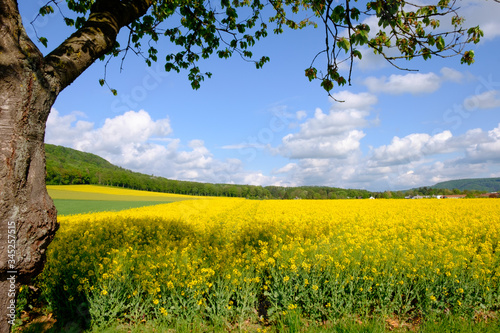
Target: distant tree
[(399, 195), (30, 81)]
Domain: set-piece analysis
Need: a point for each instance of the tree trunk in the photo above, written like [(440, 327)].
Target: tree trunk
[(29, 85), (27, 214)]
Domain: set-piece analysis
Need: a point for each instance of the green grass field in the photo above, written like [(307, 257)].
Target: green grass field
[(71, 206), (79, 199)]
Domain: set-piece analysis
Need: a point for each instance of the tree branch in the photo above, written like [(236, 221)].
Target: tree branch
[(94, 39)]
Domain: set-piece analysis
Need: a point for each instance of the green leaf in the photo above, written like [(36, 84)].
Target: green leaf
[(114, 92), (327, 84), (43, 40), (426, 53), (261, 62), (357, 53), (475, 34), (337, 15), (341, 81), (80, 21), (440, 43), (69, 22), (101, 82), (311, 73), (344, 44), (195, 84), (467, 58), (355, 14), (46, 10)]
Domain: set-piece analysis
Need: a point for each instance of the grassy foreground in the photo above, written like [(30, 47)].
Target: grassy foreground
[(274, 266)]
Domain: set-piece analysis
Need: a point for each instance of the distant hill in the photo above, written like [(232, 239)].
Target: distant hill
[(67, 166), (474, 184)]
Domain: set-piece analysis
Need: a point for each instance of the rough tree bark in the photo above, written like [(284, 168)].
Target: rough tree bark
[(27, 213), (29, 85)]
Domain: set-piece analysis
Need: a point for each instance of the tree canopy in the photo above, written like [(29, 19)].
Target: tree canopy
[(198, 29)]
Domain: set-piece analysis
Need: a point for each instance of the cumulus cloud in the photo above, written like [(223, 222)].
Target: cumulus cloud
[(484, 14), (61, 130), (135, 141), (361, 101), (486, 100), (338, 146), (415, 160), (410, 148), (450, 74), (398, 84), (128, 129), (475, 143), (413, 83), (326, 151), (332, 135), (301, 115), (486, 150)]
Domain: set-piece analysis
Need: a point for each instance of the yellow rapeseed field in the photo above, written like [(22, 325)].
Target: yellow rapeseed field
[(243, 260)]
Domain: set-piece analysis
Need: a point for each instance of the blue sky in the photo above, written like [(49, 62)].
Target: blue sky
[(395, 130)]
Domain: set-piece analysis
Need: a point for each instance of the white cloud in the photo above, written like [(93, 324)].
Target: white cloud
[(123, 130), (135, 141), (332, 157), (361, 101), (301, 115), (414, 83), (487, 100), (332, 135), (487, 150), (411, 148), (415, 160), (65, 130), (484, 14), (450, 74), (338, 146), (287, 168)]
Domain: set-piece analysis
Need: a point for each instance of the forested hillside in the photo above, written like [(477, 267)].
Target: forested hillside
[(68, 166), (478, 184)]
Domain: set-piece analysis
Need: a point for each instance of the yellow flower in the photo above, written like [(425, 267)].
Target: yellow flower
[(155, 302), (286, 278)]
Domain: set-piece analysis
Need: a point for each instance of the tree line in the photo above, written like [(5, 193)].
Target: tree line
[(66, 166)]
